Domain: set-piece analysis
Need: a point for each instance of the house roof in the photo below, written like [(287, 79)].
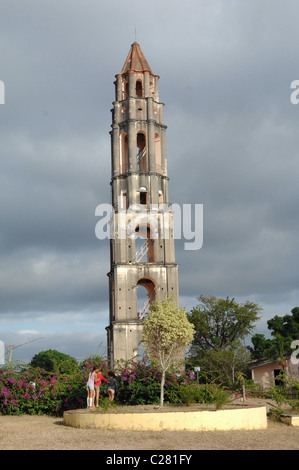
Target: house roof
[(258, 362), (136, 62), (263, 361)]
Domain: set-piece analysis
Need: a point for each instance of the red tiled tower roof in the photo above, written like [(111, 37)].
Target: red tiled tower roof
[(136, 62)]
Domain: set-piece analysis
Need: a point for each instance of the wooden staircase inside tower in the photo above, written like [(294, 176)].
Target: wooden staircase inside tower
[(146, 306), (140, 155), (144, 249)]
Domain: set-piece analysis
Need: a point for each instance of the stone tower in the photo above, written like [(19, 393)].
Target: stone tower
[(143, 264)]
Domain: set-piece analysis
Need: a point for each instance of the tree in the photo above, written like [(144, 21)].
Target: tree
[(261, 346), (54, 361), (226, 365), (286, 326), (219, 322), (166, 333), (283, 330)]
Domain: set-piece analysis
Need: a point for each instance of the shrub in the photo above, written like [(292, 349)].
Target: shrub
[(204, 393), (36, 391), (188, 394), (275, 413), (106, 404), (294, 404), (94, 360), (253, 388), (140, 382)]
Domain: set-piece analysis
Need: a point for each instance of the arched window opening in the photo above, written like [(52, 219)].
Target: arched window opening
[(112, 251), (142, 302), (141, 152), (145, 297), (143, 198), (144, 244), (152, 88), (125, 89), (161, 200), (123, 199), (123, 163), (112, 299), (158, 153), (141, 353), (139, 88)]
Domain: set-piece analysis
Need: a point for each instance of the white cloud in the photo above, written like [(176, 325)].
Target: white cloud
[(28, 332)]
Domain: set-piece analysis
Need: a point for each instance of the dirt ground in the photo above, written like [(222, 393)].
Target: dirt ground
[(47, 433)]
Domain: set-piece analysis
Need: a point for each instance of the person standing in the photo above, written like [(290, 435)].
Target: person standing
[(98, 380), (112, 385), (90, 388)]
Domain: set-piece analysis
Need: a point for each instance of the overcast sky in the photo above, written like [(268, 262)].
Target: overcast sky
[(225, 72)]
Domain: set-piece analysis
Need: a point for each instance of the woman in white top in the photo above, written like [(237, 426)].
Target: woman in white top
[(90, 388)]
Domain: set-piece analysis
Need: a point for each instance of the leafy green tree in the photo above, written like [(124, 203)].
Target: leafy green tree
[(286, 326), (226, 365), (166, 333), (55, 361), (220, 325), (220, 322), (283, 330), (261, 346)]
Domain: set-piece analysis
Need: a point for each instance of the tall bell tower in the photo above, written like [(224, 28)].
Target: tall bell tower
[(142, 251)]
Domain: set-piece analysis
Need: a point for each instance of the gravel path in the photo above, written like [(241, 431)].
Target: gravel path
[(46, 433)]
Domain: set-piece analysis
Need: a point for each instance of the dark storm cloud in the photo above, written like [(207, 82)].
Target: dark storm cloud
[(232, 145)]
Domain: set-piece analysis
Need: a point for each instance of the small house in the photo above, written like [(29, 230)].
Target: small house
[(266, 371)]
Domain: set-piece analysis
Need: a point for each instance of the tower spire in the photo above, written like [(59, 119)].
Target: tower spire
[(136, 61)]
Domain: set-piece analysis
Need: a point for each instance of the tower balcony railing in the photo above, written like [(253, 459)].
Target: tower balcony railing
[(125, 168), (161, 207)]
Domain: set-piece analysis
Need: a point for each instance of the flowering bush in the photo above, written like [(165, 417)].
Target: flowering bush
[(35, 391), (139, 383), (94, 360)]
